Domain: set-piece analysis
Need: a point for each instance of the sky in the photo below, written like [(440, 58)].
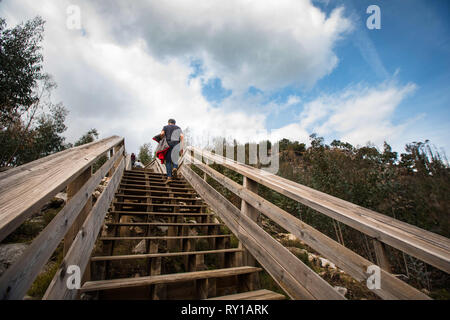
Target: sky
[(249, 70)]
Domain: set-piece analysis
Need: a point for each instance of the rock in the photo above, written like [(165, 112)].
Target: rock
[(191, 221), (104, 231), (341, 290), (163, 228), (61, 196), (296, 251), (37, 219), (138, 230), (288, 236), (86, 296), (311, 257), (324, 263), (96, 194), (140, 247), (9, 253), (192, 232), (425, 291)]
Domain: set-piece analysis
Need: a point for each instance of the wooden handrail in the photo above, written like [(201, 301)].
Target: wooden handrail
[(80, 251), (25, 189), (297, 279), (349, 261), (424, 245), (60, 169)]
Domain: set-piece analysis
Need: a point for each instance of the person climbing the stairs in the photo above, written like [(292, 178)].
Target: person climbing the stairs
[(174, 137)]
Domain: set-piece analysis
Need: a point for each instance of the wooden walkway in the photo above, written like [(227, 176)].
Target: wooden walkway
[(143, 238), (160, 241)]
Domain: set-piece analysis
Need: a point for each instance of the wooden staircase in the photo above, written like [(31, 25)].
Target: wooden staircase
[(160, 241)]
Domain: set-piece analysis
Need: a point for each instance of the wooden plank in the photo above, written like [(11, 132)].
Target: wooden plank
[(160, 255), (164, 237), (162, 213), (381, 254), (202, 288), (25, 189), (262, 294), (165, 278), (153, 190), (422, 244), (155, 181), (344, 258), (72, 189), (145, 204), (154, 187), (80, 251), (252, 213), (182, 224), (22, 273), (297, 279)]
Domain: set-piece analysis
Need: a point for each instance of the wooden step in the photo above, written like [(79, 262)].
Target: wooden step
[(137, 213), (141, 172), (175, 224), (262, 294), (143, 177), (150, 187), (150, 190), (118, 195), (210, 236), (161, 255), (165, 279), (154, 181), (146, 204)]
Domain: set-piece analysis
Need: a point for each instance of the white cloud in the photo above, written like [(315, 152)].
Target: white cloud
[(265, 44), (129, 73), (357, 115)]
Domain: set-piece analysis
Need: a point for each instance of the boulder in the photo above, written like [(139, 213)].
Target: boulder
[(138, 230), (140, 248), (341, 290), (163, 229), (324, 263), (9, 253), (297, 251), (287, 236), (61, 196)]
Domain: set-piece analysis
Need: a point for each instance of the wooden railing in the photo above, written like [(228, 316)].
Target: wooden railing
[(290, 273), (25, 189)]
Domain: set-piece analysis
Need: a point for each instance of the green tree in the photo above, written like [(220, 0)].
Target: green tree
[(31, 125), (145, 153), (20, 68), (88, 137)]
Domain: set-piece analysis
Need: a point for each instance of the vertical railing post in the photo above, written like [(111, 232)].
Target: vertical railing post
[(72, 189), (381, 255), (252, 213)]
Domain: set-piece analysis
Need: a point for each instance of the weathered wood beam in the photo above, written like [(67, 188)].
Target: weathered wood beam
[(80, 251), (424, 245), (25, 189), (297, 279), (344, 258), (17, 279)]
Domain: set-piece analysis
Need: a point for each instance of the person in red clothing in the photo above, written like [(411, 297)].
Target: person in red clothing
[(174, 137), (133, 159)]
